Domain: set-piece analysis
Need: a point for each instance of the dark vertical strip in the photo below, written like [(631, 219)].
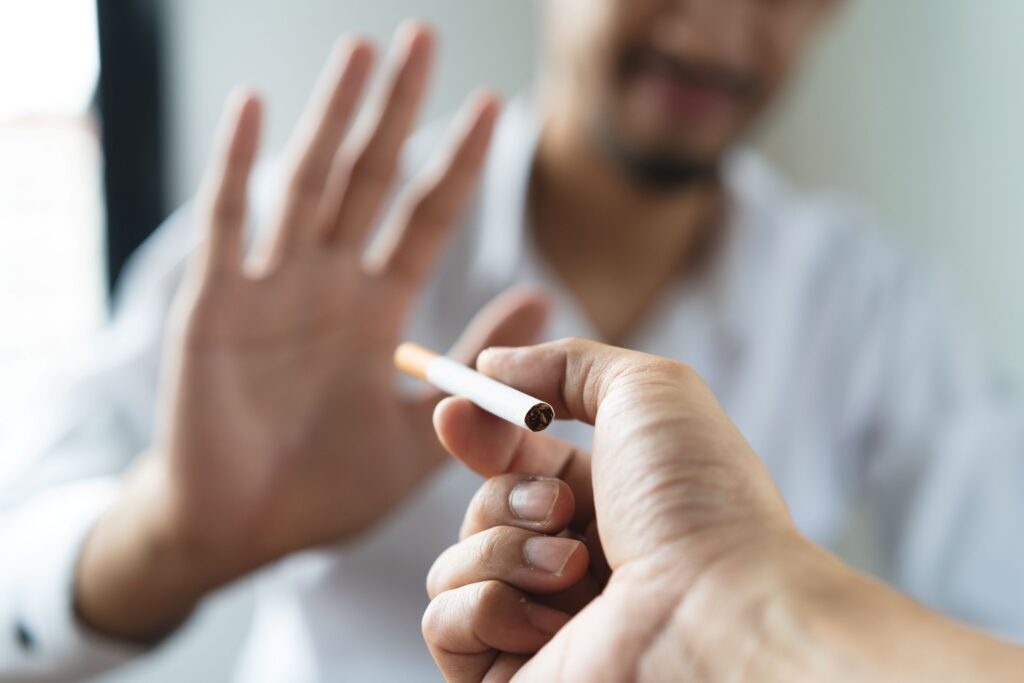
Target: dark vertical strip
[(131, 111)]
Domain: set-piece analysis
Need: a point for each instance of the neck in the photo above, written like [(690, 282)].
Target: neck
[(615, 244), (597, 202)]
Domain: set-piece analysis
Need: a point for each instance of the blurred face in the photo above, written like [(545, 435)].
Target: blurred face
[(667, 86)]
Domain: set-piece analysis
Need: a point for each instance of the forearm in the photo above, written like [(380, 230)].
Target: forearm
[(811, 619), (133, 580), (854, 628)]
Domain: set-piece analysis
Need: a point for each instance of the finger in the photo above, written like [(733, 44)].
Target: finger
[(513, 318), (535, 563), (225, 189), (466, 628), (505, 667), (490, 446), (573, 375), (373, 171), (318, 135), (591, 644), (414, 233), (539, 504)]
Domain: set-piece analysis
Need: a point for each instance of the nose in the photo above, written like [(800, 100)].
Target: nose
[(712, 31)]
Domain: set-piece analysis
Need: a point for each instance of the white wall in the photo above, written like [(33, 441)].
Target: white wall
[(279, 47), (914, 106)]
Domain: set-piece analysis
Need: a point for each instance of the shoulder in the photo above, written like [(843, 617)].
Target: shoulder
[(824, 242)]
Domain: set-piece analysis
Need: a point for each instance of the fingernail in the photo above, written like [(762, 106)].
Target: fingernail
[(549, 554), (534, 499), (545, 619)]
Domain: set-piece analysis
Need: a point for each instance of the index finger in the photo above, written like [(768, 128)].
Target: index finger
[(575, 376), (225, 186), (413, 234), (491, 446)]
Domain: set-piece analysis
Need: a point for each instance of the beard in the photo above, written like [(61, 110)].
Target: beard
[(664, 170), (653, 171)]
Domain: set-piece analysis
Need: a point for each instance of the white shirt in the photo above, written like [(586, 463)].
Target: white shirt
[(836, 357)]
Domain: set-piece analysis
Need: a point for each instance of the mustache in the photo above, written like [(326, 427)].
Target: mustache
[(732, 82)]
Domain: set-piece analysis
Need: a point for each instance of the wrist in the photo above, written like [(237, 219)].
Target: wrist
[(137, 578), (856, 628), (794, 612), (744, 616)]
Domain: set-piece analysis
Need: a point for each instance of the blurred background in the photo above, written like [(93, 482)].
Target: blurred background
[(107, 110)]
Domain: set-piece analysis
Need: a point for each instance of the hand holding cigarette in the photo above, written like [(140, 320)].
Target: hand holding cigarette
[(456, 379), (695, 548), (679, 497)]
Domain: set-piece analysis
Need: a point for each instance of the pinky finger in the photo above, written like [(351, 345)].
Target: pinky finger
[(505, 667), (466, 628), (224, 192)]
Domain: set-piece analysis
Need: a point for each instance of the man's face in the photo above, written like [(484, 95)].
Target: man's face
[(667, 86)]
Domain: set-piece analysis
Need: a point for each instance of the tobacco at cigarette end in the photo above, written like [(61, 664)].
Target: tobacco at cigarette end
[(540, 417), (413, 359)]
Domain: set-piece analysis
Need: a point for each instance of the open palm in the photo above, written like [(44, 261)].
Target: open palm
[(285, 427)]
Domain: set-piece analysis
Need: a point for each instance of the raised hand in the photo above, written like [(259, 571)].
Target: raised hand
[(283, 428)]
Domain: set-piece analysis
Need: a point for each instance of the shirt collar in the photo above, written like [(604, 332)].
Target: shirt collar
[(505, 192), (742, 271), (753, 189)]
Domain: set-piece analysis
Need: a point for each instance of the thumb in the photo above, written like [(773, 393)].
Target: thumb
[(573, 375), (667, 460), (518, 316)]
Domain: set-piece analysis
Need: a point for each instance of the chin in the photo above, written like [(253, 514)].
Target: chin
[(695, 142), (660, 168), (683, 151), (662, 157)]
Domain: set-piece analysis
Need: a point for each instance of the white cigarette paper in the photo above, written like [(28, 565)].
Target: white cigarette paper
[(456, 379)]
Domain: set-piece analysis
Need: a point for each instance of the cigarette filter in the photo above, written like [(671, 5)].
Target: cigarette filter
[(458, 380)]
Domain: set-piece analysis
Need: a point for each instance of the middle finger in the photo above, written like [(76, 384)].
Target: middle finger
[(367, 182), (531, 562)]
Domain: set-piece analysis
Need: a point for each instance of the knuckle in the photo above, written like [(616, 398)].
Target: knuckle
[(675, 370), (476, 518), (227, 210), (429, 208), (489, 508), (489, 547), (581, 347), (490, 597), (427, 212), (432, 624), (495, 495), (302, 180), (575, 343), (434, 577), (372, 171)]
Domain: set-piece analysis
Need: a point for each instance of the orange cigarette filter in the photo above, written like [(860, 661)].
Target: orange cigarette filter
[(413, 359), (456, 379)]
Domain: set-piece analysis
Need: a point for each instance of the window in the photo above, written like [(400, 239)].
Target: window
[(52, 292)]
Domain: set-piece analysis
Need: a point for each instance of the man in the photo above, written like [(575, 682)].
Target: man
[(622, 191), (698, 573)]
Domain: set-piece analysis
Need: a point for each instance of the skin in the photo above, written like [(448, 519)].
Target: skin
[(628, 83), (279, 404), (697, 573), (279, 399)]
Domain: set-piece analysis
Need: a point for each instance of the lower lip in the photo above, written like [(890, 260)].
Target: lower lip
[(678, 100)]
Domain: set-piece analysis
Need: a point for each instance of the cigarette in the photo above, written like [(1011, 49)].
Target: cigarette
[(456, 379)]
